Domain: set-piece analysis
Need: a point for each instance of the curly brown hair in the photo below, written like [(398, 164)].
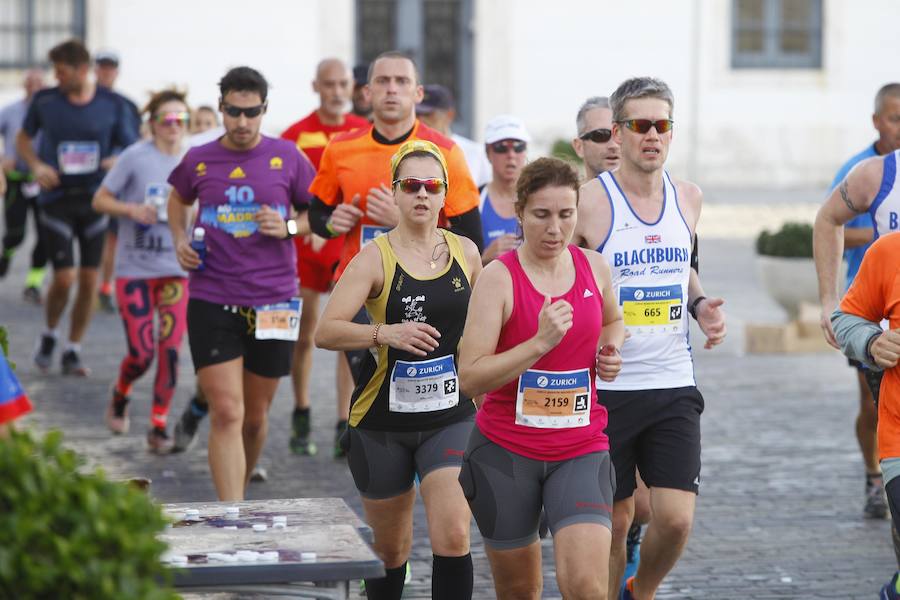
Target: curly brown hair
[(542, 173)]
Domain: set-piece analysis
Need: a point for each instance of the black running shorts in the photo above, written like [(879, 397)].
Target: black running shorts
[(506, 491), (658, 431), (67, 219), (219, 333), (385, 463)]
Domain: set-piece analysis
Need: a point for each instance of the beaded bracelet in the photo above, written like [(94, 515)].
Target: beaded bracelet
[(375, 333)]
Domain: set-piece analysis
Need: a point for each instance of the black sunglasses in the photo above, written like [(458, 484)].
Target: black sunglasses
[(644, 125), (598, 136), (250, 112), (504, 146)]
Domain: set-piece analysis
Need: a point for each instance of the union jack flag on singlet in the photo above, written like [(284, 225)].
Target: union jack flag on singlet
[(13, 401)]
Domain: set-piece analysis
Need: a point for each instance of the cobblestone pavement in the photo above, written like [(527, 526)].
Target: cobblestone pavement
[(780, 511)]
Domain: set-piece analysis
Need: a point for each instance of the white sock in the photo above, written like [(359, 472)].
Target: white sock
[(73, 346), (51, 332)]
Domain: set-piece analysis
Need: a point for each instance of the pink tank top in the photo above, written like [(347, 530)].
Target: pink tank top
[(550, 412)]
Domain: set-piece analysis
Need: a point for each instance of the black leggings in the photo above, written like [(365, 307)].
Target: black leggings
[(15, 210)]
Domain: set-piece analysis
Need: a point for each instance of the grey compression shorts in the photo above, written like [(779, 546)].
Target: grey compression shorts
[(385, 463), (506, 491)]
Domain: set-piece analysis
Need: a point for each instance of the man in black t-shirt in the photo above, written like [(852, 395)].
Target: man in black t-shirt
[(80, 126)]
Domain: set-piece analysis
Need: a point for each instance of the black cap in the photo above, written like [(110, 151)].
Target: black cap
[(360, 75), (437, 97)]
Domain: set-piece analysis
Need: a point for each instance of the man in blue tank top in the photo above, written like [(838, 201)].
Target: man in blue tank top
[(858, 233), (643, 222), (80, 125)]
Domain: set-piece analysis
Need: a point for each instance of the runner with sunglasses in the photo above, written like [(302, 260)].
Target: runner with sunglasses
[(149, 280), (542, 324), (643, 222), (408, 417), (594, 142), (600, 153), (506, 144), (243, 313)]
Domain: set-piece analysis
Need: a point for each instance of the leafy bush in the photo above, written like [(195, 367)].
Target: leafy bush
[(4, 346), (563, 149), (793, 240), (67, 534)]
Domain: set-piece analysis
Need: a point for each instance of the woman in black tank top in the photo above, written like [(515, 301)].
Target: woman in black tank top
[(408, 416)]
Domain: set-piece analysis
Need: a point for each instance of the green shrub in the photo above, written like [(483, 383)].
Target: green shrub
[(68, 534), (4, 346), (793, 240), (563, 149)]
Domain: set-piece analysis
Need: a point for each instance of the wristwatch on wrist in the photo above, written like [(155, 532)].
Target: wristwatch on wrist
[(692, 309), (291, 228)]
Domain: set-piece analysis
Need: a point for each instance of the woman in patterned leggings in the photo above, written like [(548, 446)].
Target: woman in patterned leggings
[(149, 280)]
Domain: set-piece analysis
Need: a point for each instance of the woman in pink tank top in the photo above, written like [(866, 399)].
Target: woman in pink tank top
[(537, 334)]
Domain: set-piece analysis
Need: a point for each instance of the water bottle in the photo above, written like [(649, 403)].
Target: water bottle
[(198, 243)]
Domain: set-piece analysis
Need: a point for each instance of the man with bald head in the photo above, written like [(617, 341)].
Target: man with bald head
[(316, 256), (21, 191)]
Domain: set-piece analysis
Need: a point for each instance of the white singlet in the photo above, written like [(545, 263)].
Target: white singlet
[(650, 265)]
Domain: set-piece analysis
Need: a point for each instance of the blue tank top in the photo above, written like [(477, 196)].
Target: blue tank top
[(492, 224)]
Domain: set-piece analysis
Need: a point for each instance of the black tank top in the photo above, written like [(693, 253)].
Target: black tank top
[(399, 391)]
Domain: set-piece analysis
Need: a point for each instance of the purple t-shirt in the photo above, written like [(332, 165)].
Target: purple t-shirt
[(243, 266)]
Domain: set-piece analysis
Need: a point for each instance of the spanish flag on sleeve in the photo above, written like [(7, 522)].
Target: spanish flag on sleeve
[(13, 401)]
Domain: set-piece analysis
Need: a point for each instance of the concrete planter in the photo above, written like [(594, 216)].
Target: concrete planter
[(792, 281)]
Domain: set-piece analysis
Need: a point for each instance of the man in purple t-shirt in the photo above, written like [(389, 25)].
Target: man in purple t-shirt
[(243, 315)]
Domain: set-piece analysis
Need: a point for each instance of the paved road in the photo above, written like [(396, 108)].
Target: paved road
[(779, 514)]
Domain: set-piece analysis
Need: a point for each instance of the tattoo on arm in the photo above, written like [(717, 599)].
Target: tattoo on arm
[(845, 196)]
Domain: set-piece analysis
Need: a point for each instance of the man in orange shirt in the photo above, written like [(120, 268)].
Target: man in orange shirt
[(353, 187), (317, 256), (873, 296)]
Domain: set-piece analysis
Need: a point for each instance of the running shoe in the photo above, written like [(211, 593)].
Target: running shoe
[(32, 295), (259, 474), (105, 302), (186, 429), (43, 354), (339, 430), (72, 365), (117, 413), (632, 550), (158, 441), (876, 504), (889, 590), (300, 442)]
